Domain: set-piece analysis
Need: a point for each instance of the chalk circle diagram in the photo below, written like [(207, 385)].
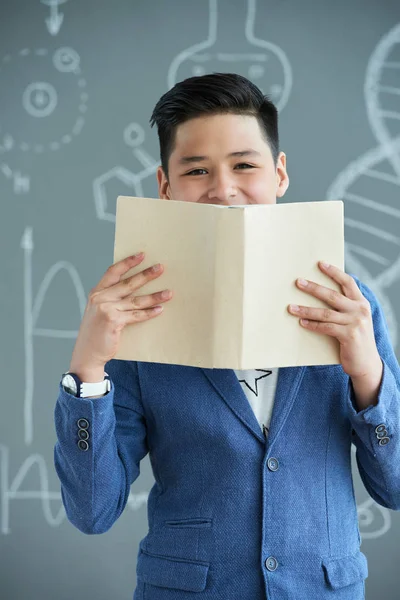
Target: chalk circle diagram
[(370, 185), (145, 167), (43, 114), (374, 520), (264, 63)]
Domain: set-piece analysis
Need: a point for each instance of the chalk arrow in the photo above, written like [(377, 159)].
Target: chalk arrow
[(55, 20), (54, 23)]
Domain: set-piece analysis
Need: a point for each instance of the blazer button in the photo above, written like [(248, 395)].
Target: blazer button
[(271, 563), (273, 464), (83, 434), (381, 434), (384, 441), (83, 445), (82, 423), (380, 427)]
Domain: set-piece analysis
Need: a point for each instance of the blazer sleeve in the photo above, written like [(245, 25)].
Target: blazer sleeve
[(95, 481), (379, 463)]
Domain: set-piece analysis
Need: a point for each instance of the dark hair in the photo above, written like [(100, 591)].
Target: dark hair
[(214, 93)]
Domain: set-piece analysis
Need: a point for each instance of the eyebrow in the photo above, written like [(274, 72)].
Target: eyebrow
[(185, 160)]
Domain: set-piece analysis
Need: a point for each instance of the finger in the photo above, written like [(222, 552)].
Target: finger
[(127, 317), (326, 315), (143, 302), (330, 296), (332, 329), (129, 285), (117, 270), (346, 281)]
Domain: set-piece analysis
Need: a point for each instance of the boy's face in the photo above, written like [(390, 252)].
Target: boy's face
[(202, 167)]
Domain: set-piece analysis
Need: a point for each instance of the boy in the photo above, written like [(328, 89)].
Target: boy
[(248, 502)]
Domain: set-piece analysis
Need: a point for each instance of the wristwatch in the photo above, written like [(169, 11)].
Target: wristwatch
[(72, 384)]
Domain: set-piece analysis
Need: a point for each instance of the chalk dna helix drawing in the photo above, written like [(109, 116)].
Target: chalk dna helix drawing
[(370, 185)]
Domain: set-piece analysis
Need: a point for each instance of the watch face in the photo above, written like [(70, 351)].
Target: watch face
[(69, 384)]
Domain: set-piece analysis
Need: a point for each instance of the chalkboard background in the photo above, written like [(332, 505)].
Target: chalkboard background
[(78, 81)]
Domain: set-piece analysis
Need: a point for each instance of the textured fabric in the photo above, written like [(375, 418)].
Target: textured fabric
[(259, 386), (232, 514)]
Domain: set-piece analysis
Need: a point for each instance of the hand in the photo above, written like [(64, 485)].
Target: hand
[(349, 320), (112, 304)]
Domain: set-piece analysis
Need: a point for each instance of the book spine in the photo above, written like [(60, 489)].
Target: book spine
[(228, 289)]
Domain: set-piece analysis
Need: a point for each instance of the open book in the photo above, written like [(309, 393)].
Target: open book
[(232, 270)]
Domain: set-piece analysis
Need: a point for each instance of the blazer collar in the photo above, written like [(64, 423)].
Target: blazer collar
[(229, 389)]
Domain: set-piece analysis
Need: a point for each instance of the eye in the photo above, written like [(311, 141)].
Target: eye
[(241, 165), (245, 165), (194, 171)]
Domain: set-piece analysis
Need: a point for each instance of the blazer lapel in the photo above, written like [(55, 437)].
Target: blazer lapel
[(289, 380), (226, 384)]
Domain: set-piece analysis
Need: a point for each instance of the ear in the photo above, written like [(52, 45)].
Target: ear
[(164, 191), (282, 178)]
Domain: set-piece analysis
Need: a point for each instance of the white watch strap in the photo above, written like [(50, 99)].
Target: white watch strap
[(95, 389)]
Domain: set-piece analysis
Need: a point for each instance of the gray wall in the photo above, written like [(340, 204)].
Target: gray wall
[(75, 100)]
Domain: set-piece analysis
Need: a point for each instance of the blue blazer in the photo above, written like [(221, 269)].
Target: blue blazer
[(233, 515)]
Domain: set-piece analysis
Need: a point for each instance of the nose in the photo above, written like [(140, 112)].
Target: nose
[(223, 190)]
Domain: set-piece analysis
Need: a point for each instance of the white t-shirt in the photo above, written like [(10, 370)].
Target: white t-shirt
[(259, 385)]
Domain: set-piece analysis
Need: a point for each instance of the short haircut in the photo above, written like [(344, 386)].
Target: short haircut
[(210, 94)]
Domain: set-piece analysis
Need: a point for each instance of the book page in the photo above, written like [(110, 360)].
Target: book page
[(181, 236), (282, 243)]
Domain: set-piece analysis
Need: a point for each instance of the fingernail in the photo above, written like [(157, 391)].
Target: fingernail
[(302, 282)]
